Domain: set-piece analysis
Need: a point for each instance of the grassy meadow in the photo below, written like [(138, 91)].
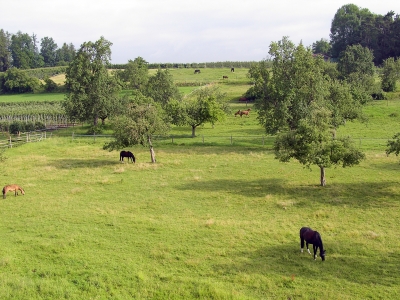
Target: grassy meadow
[(212, 219)]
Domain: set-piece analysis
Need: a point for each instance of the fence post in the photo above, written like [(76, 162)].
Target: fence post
[(172, 139), (10, 144)]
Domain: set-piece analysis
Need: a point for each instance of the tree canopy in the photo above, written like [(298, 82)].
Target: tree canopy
[(204, 105), (303, 105), (91, 91), (140, 120)]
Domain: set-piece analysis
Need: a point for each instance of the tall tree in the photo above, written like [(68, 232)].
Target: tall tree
[(91, 91), (48, 50), (137, 124), (303, 106), (22, 50), (322, 47), (161, 87), (136, 74), (65, 54), (356, 66), (390, 74), (5, 54)]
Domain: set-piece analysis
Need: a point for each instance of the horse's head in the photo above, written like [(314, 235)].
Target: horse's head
[(322, 254)]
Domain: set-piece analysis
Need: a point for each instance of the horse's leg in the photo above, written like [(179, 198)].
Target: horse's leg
[(301, 244), (307, 248), (315, 248)]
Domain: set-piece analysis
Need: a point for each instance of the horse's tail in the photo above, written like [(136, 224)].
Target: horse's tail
[(4, 192)]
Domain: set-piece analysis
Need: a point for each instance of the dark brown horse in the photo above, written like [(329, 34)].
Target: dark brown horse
[(314, 238), (224, 77), (232, 69), (127, 154), (197, 71)]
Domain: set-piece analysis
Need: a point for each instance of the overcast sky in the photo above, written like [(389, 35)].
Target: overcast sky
[(180, 31)]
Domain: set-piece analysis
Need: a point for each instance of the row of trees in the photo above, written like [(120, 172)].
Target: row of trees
[(153, 104), (21, 51), (354, 25)]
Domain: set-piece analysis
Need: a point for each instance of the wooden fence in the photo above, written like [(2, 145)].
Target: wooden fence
[(27, 137)]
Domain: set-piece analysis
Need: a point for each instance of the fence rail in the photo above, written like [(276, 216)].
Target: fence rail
[(27, 137)]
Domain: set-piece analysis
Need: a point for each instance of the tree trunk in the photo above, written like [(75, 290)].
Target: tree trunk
[(152, 153), (193, 131), (323, 181)]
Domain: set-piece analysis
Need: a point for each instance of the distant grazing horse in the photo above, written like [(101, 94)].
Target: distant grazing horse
[(238, 113), (197, 71), (12, 188), (314, 238), (245, 112), (232, 69), (127, 154), (224, 77)]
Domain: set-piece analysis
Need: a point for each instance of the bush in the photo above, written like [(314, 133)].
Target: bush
[(16, 127)]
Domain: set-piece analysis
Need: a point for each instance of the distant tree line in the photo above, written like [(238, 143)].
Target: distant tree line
[(22, 51), (353, 25), (224, 64)]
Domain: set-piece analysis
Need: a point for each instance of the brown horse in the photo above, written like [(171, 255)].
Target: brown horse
[(224, 77), (245, 112), (12, 188)]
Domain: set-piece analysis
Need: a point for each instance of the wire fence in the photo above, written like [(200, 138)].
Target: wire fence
[(27, 137), (263, 141)]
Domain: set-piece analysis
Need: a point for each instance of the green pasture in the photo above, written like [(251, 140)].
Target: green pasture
[(210, 220), (217, 217), (234, 87)]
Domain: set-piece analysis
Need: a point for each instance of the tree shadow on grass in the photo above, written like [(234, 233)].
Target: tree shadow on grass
[(362, 194), (287, 261), (72, 163)]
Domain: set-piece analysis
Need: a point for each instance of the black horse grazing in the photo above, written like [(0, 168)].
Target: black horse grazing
[(197, 71), (232, 69), (314, 238), (127, 154)]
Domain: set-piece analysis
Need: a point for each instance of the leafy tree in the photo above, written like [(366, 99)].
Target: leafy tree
[(357, 68), (135, 73), (322, 46), (22, 50), (48, 50), (50, 85), (204, 105), (393, 146), (5, 54), (390, 74), (161, 87), (304, 106), (65, 54), (91, 91), (356, 59), (346, 26), (141, 119), (17, 81), (311, 143)]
